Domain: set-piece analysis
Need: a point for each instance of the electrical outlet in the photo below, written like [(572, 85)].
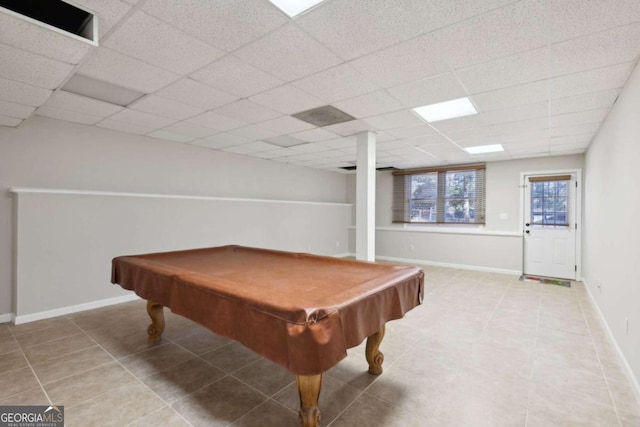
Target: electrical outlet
[(411, 248)]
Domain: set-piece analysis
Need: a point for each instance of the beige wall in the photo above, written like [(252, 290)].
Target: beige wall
[(48, 153), (611, 249), (496, 247)]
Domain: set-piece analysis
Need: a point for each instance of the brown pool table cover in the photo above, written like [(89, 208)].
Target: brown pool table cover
[(299, 310)]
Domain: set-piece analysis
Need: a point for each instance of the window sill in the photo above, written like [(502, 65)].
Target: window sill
[(468, 229)]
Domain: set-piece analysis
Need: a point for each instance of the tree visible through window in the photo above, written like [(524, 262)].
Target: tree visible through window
[(440, 195), (549, 201)]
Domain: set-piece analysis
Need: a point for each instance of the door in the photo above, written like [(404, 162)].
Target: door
[(550, 225)]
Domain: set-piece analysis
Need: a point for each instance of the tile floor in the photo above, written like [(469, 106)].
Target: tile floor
[(484, 350)]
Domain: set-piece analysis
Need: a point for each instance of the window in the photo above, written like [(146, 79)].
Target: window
[(549, 196), (448, 195)]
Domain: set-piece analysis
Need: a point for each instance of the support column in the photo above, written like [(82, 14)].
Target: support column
[(366, 196)]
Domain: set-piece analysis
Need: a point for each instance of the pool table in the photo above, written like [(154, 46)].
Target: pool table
[(298, 310)]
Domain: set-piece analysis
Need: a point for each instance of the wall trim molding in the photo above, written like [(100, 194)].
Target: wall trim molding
[(74, 309), (6, 318), (635, 384), (446, 264), (27, 190), (446, 230)]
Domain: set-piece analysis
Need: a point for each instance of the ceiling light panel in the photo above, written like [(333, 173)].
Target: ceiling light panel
[(101, 90), (294, 8), (482, 149), (446, 110)]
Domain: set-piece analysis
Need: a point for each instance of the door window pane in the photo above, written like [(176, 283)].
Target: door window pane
[(549, 203)]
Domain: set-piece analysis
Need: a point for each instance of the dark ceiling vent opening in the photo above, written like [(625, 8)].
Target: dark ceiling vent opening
[(55, 13), (381, 169), (324, 116)]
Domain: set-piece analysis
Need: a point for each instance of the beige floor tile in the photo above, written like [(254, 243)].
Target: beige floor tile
[(512, 362), (335, 396), (463, 409), (126, 344), (46, 335), (4, 330), (562, 407), (629, 420), (16, 381), (31, 396), (40, 353), (202, 341), (165, 417), (180, 380), (116, 407), (572, 381), (11, 361), (219, 404), (8, 344), (155, 360), (230, 357), (370, 411), (269, 414), (624, 397), (75, 389), (512, 391), (27, 328), (353, 370), (265, 376), (71, 364)]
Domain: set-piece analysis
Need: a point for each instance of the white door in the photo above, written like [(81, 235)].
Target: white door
[(550, 225)]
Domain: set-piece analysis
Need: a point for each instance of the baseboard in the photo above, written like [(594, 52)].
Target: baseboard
[(74, 309), (6, 318), (635, 385), (344, 255), (449, 265)]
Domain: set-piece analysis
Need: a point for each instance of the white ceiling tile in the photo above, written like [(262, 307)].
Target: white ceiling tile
[(368, 105), (267, 155), (349, 128), (191, 92), (238, 149), (394, 120), (261, 146), (236, 77), (599, 79), (221, 140), (425, 140), (285, 124), (460, 123), (70, 116), (570, 119), (17, 111), (288, 53), (247, 111), (515, 28), (226, 24), (587, 101), (429, 91), (336, 84), (597, 50), (114, 67), (144, 37), (408, 61), (142, 119), (9, 121), (309, 148), (25, 35), (575, 18), (170, 136), (82, 104), (108, 12), (412, 131), (584, 139), (339, 143), (384, 137), (191, 129), (391, 145), (253, 132), (216, 121), (500, 99), (21, 93), (508, 71), (126, 127), (287, 99), (166, 108), (580, 129), (36, 70), (516, 113), (315, 135)]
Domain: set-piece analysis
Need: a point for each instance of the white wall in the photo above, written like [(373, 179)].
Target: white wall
[(611, 249), (495, 247), (48, 153)]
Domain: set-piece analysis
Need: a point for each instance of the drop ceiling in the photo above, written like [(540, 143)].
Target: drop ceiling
[(229, 74)]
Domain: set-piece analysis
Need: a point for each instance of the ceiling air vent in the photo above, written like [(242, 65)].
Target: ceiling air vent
[(57, 15), (381, 169), (324, 116)]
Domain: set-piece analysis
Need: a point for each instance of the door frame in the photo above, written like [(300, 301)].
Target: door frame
[(578, 216)]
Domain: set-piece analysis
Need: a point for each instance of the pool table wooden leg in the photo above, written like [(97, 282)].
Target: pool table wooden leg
[(374, 355), (309, 390), (156, 327)]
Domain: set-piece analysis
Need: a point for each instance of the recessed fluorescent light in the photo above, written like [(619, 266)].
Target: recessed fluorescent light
[(446, 110), (481, 149), (103, 91), (294, 8)]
